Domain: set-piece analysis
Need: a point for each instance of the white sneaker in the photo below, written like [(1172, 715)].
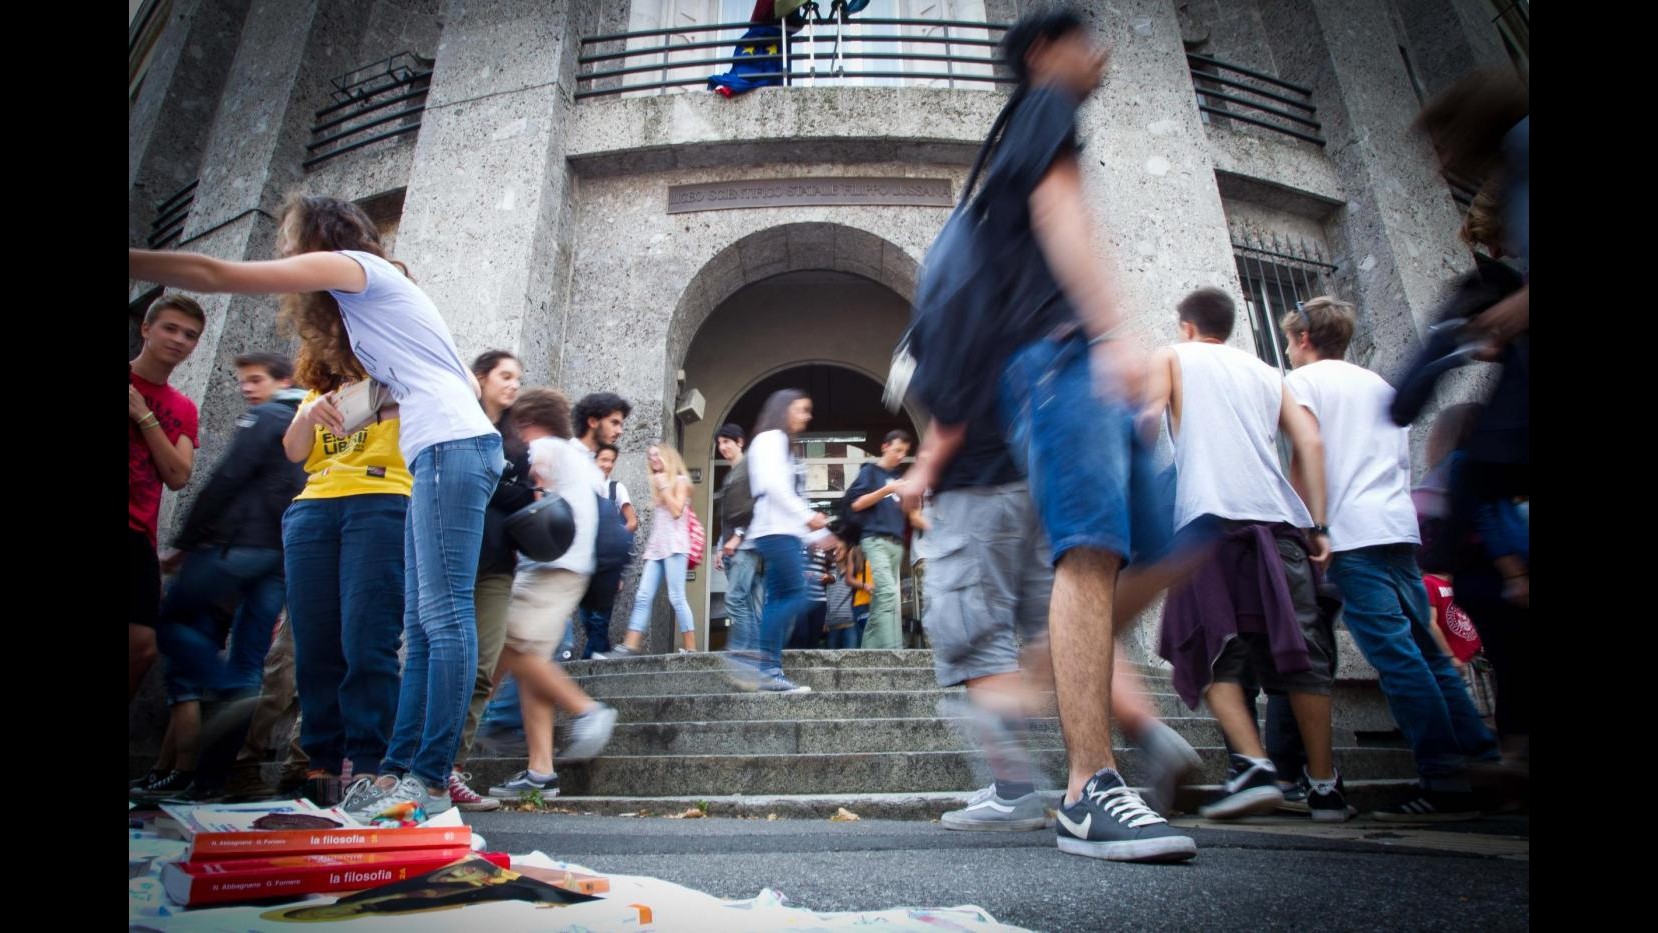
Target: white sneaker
[(589, 733), (413, 790)]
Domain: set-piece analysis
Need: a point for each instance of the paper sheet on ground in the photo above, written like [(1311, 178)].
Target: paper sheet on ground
[(672, 907)]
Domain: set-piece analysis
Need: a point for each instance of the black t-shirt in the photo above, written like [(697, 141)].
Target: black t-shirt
[(1041, 130), (990, 250), (885, 517), (983, 460), (513, 491)]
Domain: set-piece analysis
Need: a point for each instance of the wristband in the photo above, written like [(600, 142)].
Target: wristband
[(1322, 530)]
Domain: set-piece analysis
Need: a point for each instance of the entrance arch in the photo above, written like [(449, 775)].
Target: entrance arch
[(827, 332)]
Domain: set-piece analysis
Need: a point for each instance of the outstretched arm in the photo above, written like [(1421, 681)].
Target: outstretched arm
[(308, 272)]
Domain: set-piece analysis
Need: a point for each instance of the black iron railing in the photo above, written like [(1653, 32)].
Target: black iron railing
[(387, 93), (833, 48), (170, 216), (1231, 92), (1277, 273)]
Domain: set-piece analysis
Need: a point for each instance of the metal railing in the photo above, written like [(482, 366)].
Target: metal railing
[(392, 92), (809, 48), (170, 215), (1231, 92), (1277, 273)]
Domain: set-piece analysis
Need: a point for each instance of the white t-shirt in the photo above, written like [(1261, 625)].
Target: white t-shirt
[(403, 342), (1226, 453), (622, 497), (1366, 456), (772, 475), (567, 468)]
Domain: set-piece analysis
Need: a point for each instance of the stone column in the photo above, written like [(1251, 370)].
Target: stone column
[(169, 123), (276, 83)]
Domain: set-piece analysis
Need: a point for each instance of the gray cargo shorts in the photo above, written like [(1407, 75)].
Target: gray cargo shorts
[(988, 580)]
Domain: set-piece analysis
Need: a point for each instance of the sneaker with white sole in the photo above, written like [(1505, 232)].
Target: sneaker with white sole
[(1172, 761), (781, 684), (988, 812), (523, 784), (413, 790), (1254, 789), (1295, 798), (588, 733), (619, 651), (1325, 806), (467, 799), (361, 800), (1110, 821)]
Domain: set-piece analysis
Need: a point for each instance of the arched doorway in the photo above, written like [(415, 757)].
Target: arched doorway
[(829, 333)]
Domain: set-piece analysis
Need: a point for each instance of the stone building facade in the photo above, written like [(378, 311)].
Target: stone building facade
[(538, 217)]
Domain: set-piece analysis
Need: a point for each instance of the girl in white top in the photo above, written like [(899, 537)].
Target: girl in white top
[(782, 520), (360, 315), (667, 551)]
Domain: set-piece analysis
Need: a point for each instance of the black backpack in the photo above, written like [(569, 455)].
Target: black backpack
[(613, 545), (962, 285), (737, 501)]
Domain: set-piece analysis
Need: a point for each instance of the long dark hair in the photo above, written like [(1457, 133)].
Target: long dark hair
[(512, 446), (325, 359), (774, 415)]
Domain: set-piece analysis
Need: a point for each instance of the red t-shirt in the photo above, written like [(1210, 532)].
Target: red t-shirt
[(177, 415), (1453, 622)]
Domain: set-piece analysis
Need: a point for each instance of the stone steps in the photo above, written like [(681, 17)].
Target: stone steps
[(861, 772)]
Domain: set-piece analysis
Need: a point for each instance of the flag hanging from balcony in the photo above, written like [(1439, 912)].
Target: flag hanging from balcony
[(763, 45)]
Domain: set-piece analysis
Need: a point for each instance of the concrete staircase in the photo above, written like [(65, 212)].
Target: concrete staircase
[(872, 725)]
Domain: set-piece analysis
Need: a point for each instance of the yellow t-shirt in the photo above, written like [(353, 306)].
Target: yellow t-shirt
[(859, 597), (364, 463)]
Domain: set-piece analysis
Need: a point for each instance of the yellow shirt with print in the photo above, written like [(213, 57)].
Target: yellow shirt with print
[(365, 463)]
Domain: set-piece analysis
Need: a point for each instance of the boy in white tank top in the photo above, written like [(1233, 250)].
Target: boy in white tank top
[(1252, 605)]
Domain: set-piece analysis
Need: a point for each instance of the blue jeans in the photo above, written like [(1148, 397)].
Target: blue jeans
[(1388, 613), (441, 543), (860, 619), (1092, 477), (743, 598), (503, 713), (674, 568), (345, 604), (568, 645), (785, 596), (188, 634)]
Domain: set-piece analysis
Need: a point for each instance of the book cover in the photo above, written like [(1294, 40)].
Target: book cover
[(196, 883), (263, 843), (475, 880)]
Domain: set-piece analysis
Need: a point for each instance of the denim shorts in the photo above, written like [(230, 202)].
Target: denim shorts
[(1092, 477)]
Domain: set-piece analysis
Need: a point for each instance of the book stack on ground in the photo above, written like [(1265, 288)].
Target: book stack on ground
[(261, 852)]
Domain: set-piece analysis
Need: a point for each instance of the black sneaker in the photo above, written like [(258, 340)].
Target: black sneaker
[(1253, 789), (1110, 821), (1422, 805), (1325, 806), (168, 787), (149, 777)]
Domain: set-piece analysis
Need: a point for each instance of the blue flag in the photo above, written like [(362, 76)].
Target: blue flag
[(757, 43)]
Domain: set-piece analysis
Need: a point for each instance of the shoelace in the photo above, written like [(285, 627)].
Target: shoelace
[(460, 785), (981, 795), (1125, 806), (361, 786)]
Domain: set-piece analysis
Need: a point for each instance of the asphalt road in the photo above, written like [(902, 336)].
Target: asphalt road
[(1277, 875)]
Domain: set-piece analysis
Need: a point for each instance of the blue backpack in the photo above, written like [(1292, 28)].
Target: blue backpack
[(613, 544)]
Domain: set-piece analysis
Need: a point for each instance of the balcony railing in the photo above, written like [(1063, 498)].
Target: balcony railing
[(170, 216), (390, 92), (836, 49), (1231, 92)]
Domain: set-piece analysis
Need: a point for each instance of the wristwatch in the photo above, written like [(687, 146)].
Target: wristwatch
[(1322, 530)]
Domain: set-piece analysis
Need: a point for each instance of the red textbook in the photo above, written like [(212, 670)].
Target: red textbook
[(259, 879)]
